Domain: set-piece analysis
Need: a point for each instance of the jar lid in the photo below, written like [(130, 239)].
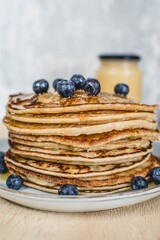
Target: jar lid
[(120, 57)]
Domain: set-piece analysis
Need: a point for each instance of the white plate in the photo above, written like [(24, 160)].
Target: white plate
[(44, 201)]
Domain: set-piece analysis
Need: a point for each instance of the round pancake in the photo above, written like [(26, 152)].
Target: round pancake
[(40, 156), (126, 143), (82, 117), (75, 130), (111, 180), (40, 184), (93, 140), (51, 187), (72, 171), (86, 191), (87, 154), (80, 102), (97, 143)]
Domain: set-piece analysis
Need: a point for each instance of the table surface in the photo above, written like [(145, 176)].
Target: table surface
[(138, 222)]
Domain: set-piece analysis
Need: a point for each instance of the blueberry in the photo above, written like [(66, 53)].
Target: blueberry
[(139, 183), (68, 189), (155, 175), (3, 168), (121, 89), (66, 88), (78, 81), (40, 86), (55, 83), (14, 182), (1, 154), (92, 87)]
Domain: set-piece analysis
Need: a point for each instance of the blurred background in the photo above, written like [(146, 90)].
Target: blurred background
[(57, 38)]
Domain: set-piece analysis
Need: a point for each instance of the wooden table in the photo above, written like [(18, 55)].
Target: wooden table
[(139, 222)]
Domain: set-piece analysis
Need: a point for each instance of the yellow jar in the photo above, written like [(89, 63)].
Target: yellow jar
[(120, 69)]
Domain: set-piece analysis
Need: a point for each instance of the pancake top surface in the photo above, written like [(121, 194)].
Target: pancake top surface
[(53, 100)]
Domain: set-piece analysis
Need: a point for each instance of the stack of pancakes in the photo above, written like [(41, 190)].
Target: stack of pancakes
[(96, 143)]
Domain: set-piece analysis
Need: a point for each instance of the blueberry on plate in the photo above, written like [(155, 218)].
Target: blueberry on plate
[(14, 181), (55, 83), (155, 175), (68, 189), (78, 81), (121, 89), (3, 167), (66, 88), (92, 87), (139, 183), (40, 86)]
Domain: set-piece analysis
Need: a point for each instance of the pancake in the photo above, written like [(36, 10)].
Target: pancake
[(92, 140), (141, 146), (82, 117), (75, 130), (81, 191), (41, 185), (111, 180), (133, 156), (126, 143), (72, 171), (96, 143), (53, 103)]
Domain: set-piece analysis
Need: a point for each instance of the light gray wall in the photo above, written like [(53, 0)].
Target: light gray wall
[(56, 38)]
